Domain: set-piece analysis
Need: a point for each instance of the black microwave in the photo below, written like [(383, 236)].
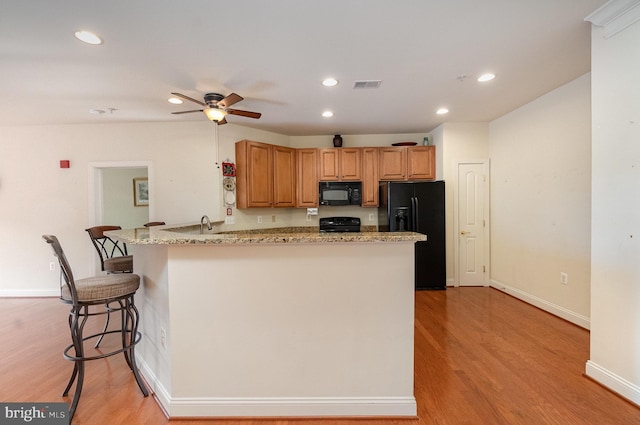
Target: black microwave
[(340, 193)]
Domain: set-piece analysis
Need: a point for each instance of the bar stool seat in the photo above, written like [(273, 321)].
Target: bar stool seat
[(86, 296), (118, 264), (100, 288)]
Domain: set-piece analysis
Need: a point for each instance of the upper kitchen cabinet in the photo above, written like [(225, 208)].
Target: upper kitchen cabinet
[(421, 163), (307, 190), (393, 163), (265, 175), (369, 177), (407, 163), (337, 164), (284, 177)]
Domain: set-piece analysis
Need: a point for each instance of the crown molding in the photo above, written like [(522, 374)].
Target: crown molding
[(615, 15)]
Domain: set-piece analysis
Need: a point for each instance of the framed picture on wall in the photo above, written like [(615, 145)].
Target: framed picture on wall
[(140, 192)]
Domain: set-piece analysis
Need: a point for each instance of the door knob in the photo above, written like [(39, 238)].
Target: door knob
[(463, 232)]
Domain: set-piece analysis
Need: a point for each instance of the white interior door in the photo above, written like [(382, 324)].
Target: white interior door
[(471, 224)]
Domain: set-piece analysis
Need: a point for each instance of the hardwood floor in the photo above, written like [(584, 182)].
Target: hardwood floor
[(481, 357)]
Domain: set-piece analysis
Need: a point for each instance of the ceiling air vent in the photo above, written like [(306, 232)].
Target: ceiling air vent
[(367, 84)]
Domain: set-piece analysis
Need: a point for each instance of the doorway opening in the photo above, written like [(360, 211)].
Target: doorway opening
[(114, 193)]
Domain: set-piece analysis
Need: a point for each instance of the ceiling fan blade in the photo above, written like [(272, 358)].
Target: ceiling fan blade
[(230, 100), (188, 112), (247, 114), (222, 121), (182, 96)]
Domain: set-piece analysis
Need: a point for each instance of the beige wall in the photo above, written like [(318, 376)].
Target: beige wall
[(615, 258), (38, 197), (541, 200)]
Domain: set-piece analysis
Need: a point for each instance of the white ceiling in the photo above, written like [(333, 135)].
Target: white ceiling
[(275, 54)]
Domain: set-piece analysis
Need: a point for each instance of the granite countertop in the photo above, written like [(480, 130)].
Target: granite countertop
[(190, 234)]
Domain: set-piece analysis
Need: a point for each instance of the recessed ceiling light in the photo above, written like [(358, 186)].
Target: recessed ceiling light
[(442, 111), (88, 37), (329, 82), (486, 77), (174, 100), (327, 114)]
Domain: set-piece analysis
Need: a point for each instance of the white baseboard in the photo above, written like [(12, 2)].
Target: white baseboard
[(612, 381), (25, 293), (159, 391), (276, 406), (293, 406), (571, 316)]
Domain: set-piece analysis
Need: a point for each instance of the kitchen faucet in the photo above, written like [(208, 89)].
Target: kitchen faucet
[(203, 220)]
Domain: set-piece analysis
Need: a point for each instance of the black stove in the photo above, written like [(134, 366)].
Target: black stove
[(340, 224)]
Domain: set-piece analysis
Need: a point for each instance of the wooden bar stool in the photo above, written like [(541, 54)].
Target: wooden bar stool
[(116, 289)]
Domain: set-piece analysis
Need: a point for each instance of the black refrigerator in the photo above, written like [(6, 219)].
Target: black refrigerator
[(418, 207)]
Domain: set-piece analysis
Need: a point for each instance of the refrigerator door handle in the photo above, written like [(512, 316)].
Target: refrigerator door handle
[(414, 213)]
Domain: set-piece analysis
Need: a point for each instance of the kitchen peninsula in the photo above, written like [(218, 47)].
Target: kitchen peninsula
[(280, 322)]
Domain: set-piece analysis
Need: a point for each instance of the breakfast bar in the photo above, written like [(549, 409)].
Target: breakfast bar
[(276, 322)]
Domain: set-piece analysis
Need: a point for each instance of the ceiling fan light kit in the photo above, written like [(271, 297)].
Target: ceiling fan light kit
[(215, 114), (216, 107)]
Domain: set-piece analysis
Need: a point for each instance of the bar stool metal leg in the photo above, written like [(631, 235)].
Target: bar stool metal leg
[(111, 290)]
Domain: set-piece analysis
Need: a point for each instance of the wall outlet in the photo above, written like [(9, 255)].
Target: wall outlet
[(163, 337), (259, 219), (229, 219), (273, 218), (564, 278), (52, 266), (371, 217)]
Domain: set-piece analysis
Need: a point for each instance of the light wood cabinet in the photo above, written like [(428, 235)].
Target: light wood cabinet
[(265, 175), (307, 190), (284, 177), (370, 177), (277, 176), (392, 163), (421, 163), (339, 164), (407, 163)]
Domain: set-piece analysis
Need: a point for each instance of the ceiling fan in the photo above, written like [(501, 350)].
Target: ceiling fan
[(216, 107)]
